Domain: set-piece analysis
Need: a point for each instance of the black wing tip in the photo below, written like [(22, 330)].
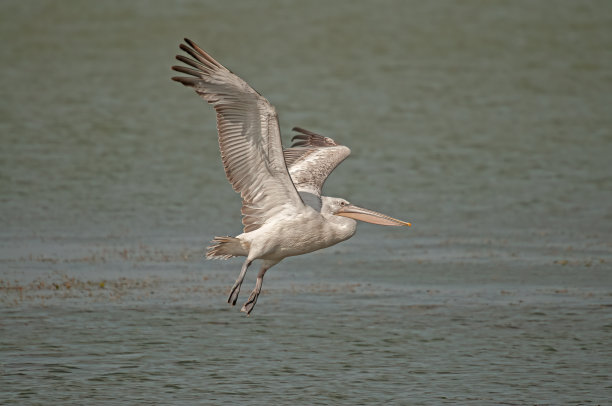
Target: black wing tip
[(198, 53), (181, 79), (304, 131), (188, 71), (308, 138), (185, 81), (299, 137), (178, 68)]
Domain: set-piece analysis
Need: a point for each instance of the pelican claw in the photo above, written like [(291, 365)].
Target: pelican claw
[(233, 296), (250, 304)]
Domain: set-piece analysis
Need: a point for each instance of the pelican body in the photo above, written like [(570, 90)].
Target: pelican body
[(284, 213)]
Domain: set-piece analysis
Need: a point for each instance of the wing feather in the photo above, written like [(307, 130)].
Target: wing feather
[(311, 159), (249, 137)]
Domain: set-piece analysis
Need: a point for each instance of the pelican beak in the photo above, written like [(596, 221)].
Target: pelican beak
[(369, 216)]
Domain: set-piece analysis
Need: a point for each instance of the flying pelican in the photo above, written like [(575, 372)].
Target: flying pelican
[(283, 211)]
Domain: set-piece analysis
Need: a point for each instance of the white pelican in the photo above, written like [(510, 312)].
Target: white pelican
[(283, 211)]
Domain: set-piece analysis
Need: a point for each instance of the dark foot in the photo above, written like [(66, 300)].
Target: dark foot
[(233, 296), (250, 304)]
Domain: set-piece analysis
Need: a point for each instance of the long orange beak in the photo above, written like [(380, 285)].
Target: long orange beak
[(369, 216)]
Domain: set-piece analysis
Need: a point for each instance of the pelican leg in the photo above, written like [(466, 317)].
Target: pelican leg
[(250, 303), (233, 296)]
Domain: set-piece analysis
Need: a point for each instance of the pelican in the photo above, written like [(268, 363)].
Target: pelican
[(283, 211)]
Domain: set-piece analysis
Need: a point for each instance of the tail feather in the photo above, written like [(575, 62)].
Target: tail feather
[(225, 248)]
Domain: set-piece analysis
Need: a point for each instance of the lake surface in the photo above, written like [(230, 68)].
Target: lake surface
[(485, 124)]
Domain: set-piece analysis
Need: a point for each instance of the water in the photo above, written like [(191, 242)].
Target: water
[(487, 125)]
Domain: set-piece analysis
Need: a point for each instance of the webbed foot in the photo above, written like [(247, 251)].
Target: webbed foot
[(233, 296), (250, 303)]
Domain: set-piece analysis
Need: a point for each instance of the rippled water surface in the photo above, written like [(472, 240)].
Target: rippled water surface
[(485, 124)]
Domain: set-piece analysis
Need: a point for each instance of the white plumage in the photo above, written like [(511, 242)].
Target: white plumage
[(283, 211)]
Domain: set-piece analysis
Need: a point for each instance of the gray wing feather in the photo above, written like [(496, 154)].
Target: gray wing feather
[(249, 137), (311, 159)]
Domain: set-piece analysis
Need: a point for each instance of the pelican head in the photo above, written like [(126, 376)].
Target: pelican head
[(341, 207)]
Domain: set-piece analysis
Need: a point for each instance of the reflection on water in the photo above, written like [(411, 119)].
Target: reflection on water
[(486, 125)]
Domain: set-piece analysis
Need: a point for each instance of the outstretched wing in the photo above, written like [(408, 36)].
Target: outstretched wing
[(310, 161), (249, 137)]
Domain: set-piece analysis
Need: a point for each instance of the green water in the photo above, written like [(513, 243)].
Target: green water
[(485, 124)]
